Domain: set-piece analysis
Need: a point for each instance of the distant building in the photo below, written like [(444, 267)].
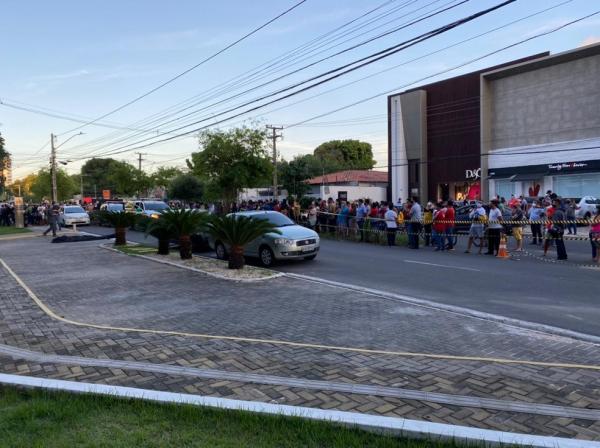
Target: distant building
[(350, 185)]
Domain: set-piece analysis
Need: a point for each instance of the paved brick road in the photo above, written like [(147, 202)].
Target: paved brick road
[(88, 284)]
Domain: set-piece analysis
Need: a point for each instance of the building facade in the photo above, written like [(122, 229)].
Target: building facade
[(540, 126), (434, 138), (350, 185)]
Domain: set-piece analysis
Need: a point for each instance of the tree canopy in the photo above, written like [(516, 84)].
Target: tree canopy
[(122, 178), (41, 187), (186, 187), (232, 160), (163, 176), (329, 157)]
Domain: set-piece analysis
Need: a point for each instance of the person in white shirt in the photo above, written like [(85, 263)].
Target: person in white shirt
[(391, 225), (478, 218), (494, 228)]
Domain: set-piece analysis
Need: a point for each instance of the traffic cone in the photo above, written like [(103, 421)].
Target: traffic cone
[(502, 250)]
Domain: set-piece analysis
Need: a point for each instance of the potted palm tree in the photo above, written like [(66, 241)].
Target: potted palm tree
[(162, 231), (183, 223), (121, 221), (237, 232)]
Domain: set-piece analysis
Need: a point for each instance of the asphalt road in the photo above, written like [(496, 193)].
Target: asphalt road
[(561, 295)]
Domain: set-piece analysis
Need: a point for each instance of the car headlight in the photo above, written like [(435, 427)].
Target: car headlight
[(284, 242), (154, 216)]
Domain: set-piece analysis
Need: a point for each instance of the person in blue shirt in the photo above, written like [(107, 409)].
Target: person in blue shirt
[(536, 214), (361, 215)]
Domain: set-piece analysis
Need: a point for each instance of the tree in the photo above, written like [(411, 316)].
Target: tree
[(4, 164), (232, 160), (96, 174), (41, 187), (293, 173), (184, 223), (23, 186), (350, 154), (186, 187), (164, 175)]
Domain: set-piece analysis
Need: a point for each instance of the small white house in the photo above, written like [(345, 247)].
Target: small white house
[(350, 185)]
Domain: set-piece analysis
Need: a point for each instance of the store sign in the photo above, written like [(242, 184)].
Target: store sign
[(106, 194), (473, 174), (567, 166)]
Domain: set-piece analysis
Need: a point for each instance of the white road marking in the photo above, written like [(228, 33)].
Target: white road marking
[(442, 265)]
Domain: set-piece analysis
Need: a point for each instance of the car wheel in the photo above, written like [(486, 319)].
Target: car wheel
[(311, 257), (220, 251), (266, 256)]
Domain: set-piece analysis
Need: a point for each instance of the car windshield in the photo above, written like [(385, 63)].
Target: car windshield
[(156, 205), (74, 210), (115, 207), (277, 219)]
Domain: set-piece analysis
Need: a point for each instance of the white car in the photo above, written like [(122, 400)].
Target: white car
[(73, 214), (586, 207)]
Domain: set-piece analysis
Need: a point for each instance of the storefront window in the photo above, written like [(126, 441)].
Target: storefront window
[(505, 188), (577, 185)]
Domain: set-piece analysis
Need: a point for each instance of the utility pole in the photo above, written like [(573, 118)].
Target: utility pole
[(81, 184), (274, 137), (53, 168), (140, 160)]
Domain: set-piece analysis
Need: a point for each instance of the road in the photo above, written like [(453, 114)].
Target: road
[(564, 296)]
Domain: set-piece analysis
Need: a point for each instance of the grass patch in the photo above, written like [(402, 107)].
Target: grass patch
[(11, 230), (136, 249), (38, 418)]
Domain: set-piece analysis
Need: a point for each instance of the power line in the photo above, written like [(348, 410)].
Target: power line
[(185, 72), (404, 25), (343, 70)]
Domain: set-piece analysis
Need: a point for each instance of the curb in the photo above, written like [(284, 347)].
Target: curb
[(189, 268), (413, 429), (522, 324)]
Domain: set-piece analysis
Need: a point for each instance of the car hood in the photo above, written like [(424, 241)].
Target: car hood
[(76, 215), (295, 233)]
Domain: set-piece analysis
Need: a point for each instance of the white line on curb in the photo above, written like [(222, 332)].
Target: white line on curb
[(395, 425)]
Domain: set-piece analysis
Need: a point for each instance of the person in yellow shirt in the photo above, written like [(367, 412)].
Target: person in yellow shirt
[(427, 221)]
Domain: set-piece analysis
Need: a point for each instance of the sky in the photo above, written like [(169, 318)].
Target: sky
[(81, 60)]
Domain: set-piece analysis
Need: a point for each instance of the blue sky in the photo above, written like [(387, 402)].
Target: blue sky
[(84, 59)]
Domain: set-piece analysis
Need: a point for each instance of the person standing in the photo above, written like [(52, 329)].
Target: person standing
[(361, 215), (427, 221), (595, 236), (53, 212), (439, 226), (415, 223), (536, 214), (558, 229), (494, 228), (478, 218), (391, 226), (450, 218), (571, 207), (312, 215), (517, 226)]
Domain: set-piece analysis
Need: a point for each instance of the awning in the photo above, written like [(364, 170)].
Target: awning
[(527, 177)]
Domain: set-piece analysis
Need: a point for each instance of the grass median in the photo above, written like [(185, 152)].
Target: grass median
[(12, 230), (36, 418)]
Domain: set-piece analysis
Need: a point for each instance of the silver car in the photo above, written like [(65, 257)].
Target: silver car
[(73, 214), (294, 243)]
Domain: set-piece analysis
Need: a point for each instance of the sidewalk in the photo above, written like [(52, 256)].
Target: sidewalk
[(285, 341)]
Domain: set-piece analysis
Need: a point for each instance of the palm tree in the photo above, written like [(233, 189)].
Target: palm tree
[(162, 231), (183, 223), (237, 232), (120, 221)]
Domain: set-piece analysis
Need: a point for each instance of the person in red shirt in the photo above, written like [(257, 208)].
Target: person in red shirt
[(439, 226), (450, 216)]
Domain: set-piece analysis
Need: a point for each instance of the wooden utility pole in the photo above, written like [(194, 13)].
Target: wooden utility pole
[(53, 169), (140, 160), (274, 137)]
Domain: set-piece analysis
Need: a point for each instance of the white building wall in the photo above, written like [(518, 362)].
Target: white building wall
[(399, 158), (354, 193)]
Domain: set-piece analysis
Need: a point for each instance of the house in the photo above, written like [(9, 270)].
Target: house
[(350, 185)]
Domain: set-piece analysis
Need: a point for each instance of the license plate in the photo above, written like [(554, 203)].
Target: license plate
[(308, 249)]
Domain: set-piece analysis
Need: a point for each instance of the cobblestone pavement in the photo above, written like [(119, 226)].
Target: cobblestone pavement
[(87, 284)]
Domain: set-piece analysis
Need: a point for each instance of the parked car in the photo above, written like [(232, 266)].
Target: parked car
[(150, 208), (73, 214), (294, 243), (586, 207), (116, 207)]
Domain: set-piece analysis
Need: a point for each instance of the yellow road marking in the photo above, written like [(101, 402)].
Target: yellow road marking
[(53, 315)]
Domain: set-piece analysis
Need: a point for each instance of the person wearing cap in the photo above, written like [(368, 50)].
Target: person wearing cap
[(478, 218), (536, 214)]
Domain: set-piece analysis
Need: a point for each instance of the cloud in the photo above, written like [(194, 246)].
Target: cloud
[(590, 40)]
